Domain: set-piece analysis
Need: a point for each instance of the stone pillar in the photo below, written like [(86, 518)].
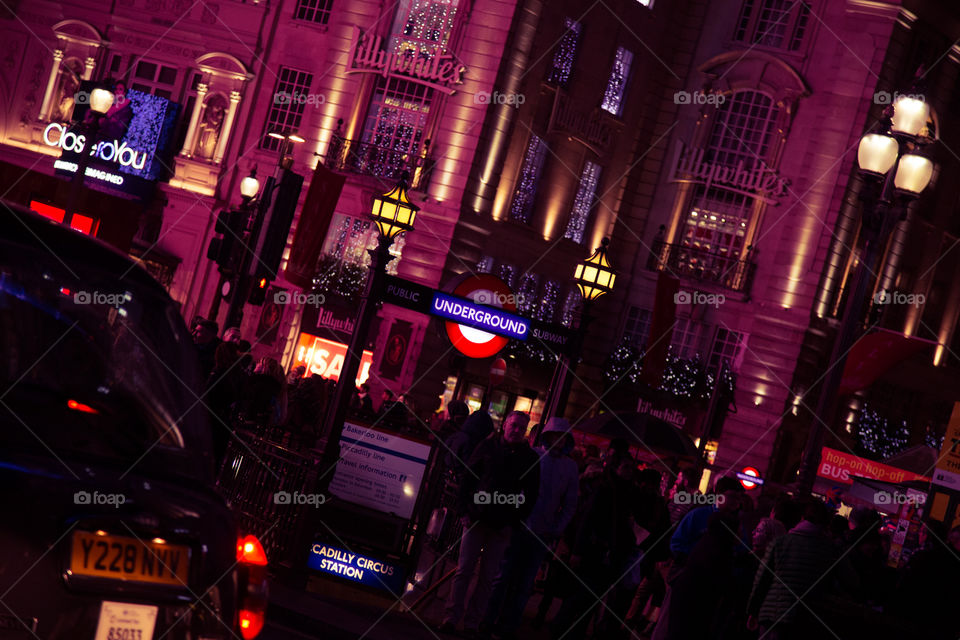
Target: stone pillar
[(88, 67), (190, 141), (51, 85), (227, 125)]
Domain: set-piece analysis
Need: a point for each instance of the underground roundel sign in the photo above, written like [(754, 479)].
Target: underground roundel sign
[(487, 290)]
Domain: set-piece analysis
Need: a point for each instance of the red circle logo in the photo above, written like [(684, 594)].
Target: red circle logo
[(488, 290)]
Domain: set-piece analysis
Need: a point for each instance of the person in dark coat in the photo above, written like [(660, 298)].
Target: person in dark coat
[(796, 564), (498, 492), (702, 585), (603, 546), (928, 590), (457, 413), (461, 444), (206, 342), (222, 393)]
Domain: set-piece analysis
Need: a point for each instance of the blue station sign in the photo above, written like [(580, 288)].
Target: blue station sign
[(490, 319), (354, 567)]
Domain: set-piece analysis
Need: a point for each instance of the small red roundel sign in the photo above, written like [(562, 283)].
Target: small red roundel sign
[(484, 289)]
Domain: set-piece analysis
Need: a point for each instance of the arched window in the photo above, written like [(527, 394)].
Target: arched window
[(718, 217)]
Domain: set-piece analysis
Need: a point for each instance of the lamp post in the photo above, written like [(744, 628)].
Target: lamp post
[(100, 102), (249, 188), (392, 212), (594, 277), (895, 172)]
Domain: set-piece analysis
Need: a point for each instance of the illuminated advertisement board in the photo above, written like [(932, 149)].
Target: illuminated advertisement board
[(325, 358), (132, 150)]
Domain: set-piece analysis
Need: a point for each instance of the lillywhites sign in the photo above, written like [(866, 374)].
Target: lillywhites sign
[(115, 151), (589, 128), (439, 70), (689, 165)]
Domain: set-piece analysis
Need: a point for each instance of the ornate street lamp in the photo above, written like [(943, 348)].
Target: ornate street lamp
[(392, 213), (250, 186), (100, 102), (895, 172), (594, 277)]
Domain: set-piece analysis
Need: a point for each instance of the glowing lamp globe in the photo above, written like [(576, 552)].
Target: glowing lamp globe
[(913, 173), (909, 115), (250, 186), (877, 153), (101, 100), (595, 276), (393, 212)]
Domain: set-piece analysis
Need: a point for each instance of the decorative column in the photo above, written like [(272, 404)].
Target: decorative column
[(227, 125), (51, 84), (190, 142), (89, 65)]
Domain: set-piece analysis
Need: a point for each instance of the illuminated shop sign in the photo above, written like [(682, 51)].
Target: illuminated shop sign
[(325, 358), (352, 566), (479, 316), (132, 158), (439, 70), (762, 182)]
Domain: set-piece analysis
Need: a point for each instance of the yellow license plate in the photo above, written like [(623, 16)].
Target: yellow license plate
[(126, 558)]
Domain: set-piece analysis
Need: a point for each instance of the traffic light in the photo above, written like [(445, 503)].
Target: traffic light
[(275, 235), (258, 292), (223, 249)]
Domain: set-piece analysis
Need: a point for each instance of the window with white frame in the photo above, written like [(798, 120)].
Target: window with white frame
[(317, 11), (718, 218), (565, 54), (685, 339), (526, 190), (285, 115), (773, 23), (636, 328), (583, 202), (155, 78), (727, 346), (617, 82), (395, 128)]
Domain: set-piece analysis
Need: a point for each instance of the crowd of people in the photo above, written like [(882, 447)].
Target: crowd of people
[(631, 550)]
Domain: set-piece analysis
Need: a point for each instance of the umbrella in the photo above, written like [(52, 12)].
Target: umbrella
[(641, 428)]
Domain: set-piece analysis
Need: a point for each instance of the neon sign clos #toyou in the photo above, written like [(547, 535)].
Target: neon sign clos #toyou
[(107, 150)]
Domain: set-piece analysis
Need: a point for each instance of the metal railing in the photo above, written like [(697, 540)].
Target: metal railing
[(365, 158), (255, 470), (727, 271)]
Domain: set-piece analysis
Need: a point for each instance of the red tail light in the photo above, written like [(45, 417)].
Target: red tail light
[(251, 623), (252, 583), (250, 551)]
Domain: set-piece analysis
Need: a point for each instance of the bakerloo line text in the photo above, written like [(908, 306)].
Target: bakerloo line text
[(56, 135)]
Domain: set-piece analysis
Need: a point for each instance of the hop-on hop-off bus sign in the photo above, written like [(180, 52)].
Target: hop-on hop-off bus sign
[(476, 329)]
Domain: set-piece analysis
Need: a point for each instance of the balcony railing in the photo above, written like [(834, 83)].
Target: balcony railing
[(364, 158), (717, 269)]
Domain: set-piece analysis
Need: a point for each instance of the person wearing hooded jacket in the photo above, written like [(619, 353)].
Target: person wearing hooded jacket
[(533, 540), (498, 492)]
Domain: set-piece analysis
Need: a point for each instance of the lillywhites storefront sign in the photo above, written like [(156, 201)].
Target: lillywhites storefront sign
[(439, 71), (759, 182), (114, 151)]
